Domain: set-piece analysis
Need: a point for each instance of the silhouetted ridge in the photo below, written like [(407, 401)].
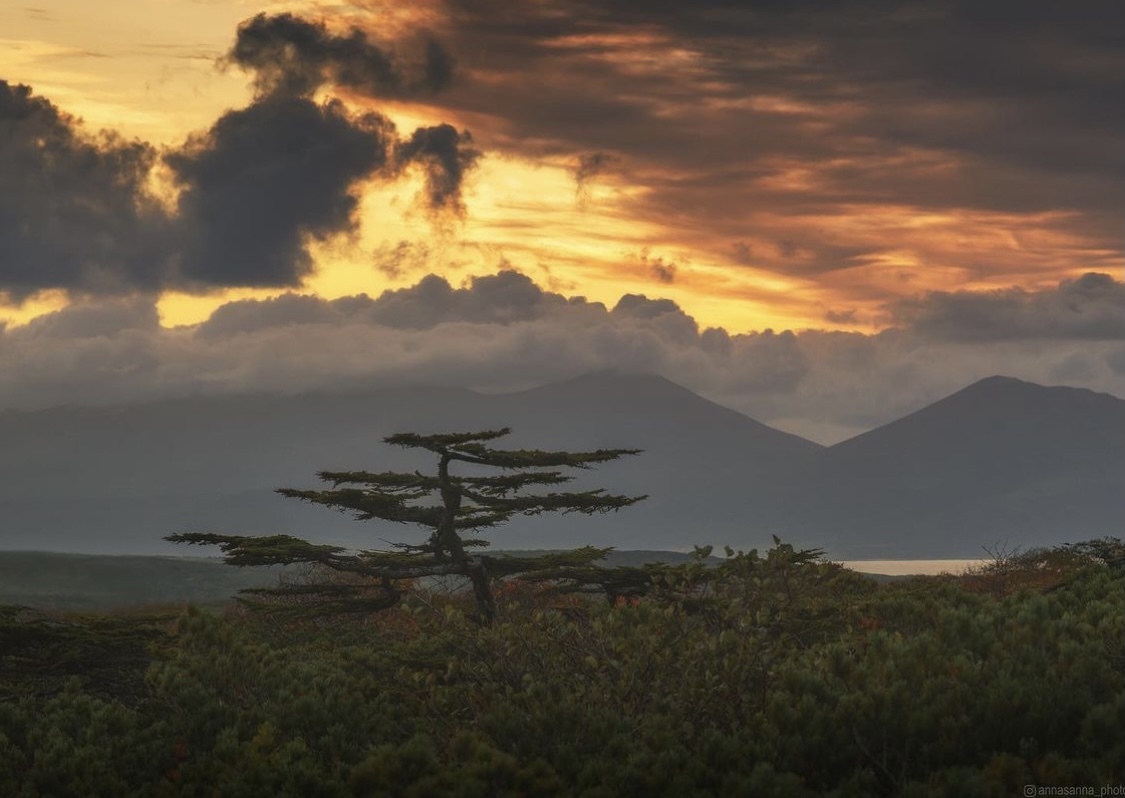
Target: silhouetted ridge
[(1002, 459), (644, 395)]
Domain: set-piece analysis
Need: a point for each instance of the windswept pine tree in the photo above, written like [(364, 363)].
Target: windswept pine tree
[(455, 507)]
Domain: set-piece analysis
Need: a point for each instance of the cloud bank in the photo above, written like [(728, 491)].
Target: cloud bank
[(503, 332), (1091, 307)]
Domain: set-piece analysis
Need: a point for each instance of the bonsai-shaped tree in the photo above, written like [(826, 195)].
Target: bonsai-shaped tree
[(456, 508)]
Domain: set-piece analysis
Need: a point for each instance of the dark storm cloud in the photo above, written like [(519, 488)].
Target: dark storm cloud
[(266, 177), (255, 189), (292, 55), (73, 210), (75, 215), (1091, 307), (445, 155)]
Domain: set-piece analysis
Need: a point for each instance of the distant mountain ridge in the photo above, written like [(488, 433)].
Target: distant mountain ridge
[(1000, 460)]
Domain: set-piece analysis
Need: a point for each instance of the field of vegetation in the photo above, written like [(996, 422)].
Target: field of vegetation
[(769, 675), (88, 582)]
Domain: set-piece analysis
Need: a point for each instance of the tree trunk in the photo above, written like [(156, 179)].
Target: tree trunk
[(447, 535), (482, 592)]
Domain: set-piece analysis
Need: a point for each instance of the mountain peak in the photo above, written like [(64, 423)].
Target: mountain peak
[(632, 398), (994, 408), (999, 380), (1000, 387)]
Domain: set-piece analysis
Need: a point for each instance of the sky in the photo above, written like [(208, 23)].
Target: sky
[(823, 214)]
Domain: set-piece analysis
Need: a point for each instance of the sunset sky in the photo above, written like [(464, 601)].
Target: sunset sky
[(820, 213)]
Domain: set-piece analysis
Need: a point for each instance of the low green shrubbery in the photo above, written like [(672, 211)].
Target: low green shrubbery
[(772, 675)]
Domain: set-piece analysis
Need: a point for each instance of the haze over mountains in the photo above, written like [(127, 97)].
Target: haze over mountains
[(1000, 461)]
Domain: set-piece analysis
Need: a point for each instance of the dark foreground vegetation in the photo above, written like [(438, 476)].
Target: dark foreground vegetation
[(767, 675)]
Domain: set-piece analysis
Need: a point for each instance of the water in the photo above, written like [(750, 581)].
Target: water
[(902, 567)]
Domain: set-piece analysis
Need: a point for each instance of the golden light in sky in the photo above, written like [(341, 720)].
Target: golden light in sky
[(627, 159)]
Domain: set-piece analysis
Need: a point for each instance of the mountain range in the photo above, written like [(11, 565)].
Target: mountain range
[(1000, 462)]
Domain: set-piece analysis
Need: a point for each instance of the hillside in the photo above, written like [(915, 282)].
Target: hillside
[(1002, 461), (116, 479)]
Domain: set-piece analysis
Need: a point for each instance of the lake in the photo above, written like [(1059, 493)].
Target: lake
[(901, 567)]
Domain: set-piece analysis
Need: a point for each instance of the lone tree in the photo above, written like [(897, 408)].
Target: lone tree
[(454, 507)]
